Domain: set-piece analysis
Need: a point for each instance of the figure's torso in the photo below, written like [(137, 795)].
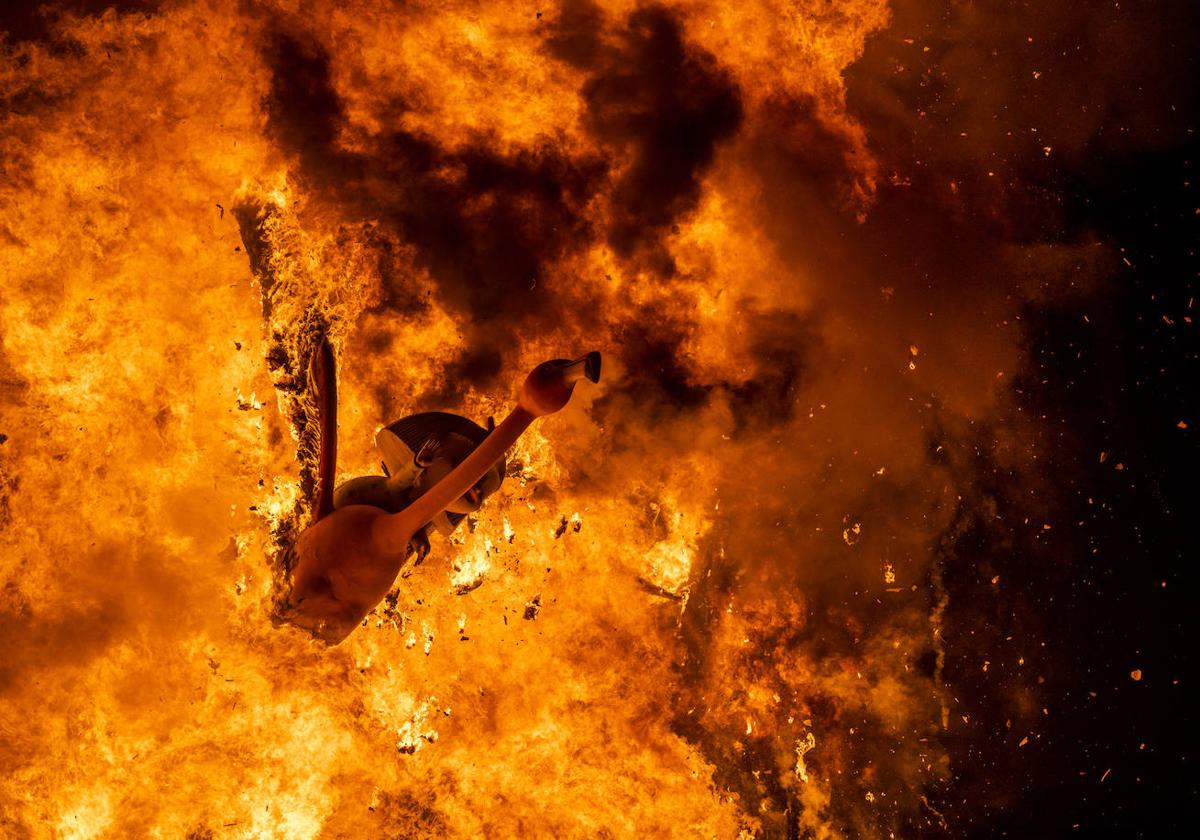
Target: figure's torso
[(341, 573)]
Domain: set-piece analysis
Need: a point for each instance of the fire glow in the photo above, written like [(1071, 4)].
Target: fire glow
[(708, 601)]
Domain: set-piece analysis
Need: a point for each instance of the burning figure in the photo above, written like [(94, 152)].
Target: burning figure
[(348, 559)]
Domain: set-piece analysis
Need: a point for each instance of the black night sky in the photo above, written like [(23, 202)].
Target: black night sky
[(1111, 589)]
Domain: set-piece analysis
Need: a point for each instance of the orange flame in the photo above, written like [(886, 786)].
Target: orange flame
[(673, 622)]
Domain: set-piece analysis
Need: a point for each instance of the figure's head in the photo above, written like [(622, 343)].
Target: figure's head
[(423, 448)]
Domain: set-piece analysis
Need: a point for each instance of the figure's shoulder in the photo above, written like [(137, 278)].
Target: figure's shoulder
[(373, 490)]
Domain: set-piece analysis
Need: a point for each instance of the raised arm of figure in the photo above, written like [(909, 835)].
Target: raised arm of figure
[(348, 561)]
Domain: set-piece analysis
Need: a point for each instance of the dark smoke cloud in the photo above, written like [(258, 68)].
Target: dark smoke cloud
[(485, 226), (652, 97), (34, 21), (661, 391), (489, 227), (305, 113)]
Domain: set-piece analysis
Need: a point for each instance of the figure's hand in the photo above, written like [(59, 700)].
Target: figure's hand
[(548, 387), (419, 545)]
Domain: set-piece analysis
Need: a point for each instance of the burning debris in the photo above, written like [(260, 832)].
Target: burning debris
[(532, 608), (803, 748)]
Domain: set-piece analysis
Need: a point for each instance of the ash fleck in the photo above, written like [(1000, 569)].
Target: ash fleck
[(562, 528), (464, 588), (532, 608)]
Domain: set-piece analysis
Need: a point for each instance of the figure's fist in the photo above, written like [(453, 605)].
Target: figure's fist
[(419, 546), (548, 387)]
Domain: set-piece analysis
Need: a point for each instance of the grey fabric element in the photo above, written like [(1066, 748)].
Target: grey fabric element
[(415, 429), (412, 432)]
